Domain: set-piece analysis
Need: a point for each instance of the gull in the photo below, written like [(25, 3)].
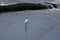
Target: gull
[(26, 22)]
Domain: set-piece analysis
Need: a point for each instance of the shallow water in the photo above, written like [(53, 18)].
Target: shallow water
[(40, 25)]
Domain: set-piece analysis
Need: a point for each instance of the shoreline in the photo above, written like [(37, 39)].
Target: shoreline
[(24, 6)]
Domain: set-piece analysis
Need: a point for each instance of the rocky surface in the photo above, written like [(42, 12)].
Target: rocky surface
[(24, 6)]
